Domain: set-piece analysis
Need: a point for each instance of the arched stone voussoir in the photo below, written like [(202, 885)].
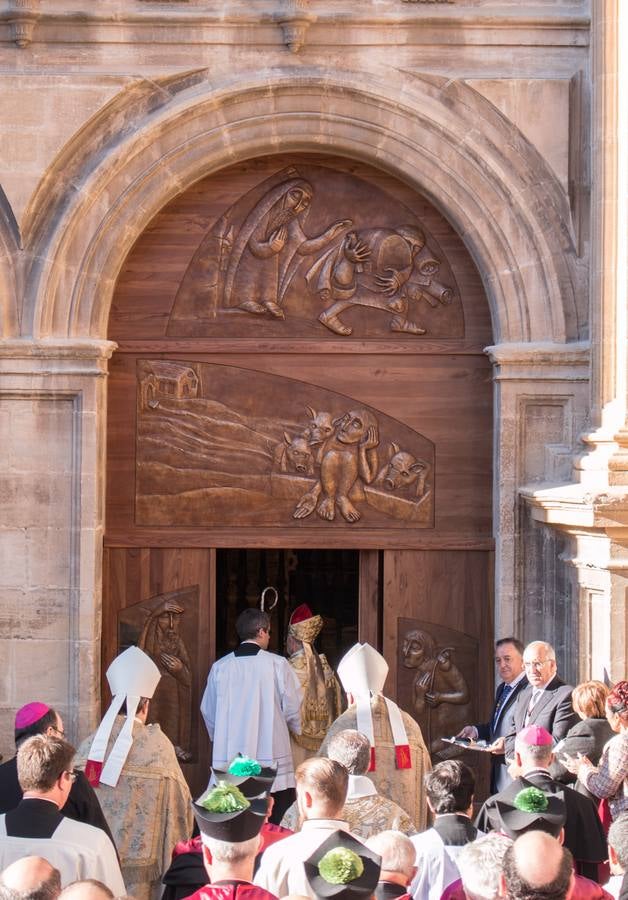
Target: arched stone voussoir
[(9, 269), (442, 138)]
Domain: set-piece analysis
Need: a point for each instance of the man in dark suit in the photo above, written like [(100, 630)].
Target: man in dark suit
[(509, 663), (546, 701), (584, 835), (82, 804)]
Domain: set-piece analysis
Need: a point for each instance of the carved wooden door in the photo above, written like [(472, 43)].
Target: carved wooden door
[(300, 364)]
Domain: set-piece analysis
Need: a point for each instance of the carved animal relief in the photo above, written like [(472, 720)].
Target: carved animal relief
[(282, 255), (208, 452)]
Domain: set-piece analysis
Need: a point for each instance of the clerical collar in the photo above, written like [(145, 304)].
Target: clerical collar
[(247, 648), (388, 889), (454, 829)]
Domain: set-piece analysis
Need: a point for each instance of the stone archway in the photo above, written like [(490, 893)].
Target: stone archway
[(441, 137), (9, 244)]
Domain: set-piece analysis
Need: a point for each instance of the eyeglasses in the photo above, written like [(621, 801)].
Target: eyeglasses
[(536, 663), (72, 775), (59, 731)]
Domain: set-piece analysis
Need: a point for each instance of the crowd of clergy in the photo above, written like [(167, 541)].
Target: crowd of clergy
[(313, 793)]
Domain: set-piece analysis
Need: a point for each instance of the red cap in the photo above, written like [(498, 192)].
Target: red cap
[(30, 713), (535, 736), (300, 614)]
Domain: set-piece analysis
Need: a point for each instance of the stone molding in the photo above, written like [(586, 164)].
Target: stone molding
[(540, 361), (102, 191)]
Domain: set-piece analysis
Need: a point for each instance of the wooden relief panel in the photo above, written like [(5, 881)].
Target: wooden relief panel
[(317, 253), (165, 628), (436, 672), (219, 444), (162, 601)]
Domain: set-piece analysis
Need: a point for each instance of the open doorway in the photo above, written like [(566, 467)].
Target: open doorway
[(327, 580)]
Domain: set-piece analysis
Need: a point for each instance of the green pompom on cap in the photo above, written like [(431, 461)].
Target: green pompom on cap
[(225, 798), (531, 800), (244, 766), (340, 866)]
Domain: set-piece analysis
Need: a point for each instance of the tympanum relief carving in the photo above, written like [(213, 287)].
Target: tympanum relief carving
[(435, 667), (318, 253), (218, 445)]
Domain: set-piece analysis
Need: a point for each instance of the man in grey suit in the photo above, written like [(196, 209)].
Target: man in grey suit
[(546, 701), (509, 664)]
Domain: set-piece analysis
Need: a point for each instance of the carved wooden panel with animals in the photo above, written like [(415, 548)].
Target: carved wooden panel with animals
[(300, 363)]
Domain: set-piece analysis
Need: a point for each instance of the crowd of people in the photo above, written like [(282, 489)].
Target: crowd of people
[(306, 800)]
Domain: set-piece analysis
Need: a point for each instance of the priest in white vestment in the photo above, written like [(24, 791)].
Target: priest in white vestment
[(37, 827), (251, 702)]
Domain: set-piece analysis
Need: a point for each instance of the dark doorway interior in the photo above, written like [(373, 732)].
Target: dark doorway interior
[(327, 580)]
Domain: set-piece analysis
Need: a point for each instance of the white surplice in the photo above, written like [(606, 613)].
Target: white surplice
[(77, 850), (248, 706)]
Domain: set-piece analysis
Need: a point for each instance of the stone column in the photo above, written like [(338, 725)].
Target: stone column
[(52, 421), (609, 253), (593, 509), (541, 397)]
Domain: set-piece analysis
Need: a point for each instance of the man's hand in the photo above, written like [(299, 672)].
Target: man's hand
[(172, 663), (172, 606), (469, 731), (498, 746)]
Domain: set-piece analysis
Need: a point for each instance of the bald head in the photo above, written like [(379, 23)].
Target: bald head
[(90, 889), (31, 878), (536, 866)]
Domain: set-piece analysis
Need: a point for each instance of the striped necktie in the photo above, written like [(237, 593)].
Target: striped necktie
[(505, 694)]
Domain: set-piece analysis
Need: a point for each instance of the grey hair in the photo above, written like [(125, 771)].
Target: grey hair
[(48, 889), (396, 850), (480, 865), (549, 650), (618, 839), (351, 749), (532, 753), (230, 852)]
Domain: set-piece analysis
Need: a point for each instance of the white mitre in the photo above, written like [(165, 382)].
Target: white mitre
[(362, 672), (131, 676)]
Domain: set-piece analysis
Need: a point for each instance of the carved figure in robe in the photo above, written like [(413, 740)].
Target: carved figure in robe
[(348, 461), (440, 692), (172, 703), (269, 247), (379, 268)]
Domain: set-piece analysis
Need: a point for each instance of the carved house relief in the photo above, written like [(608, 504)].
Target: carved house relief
[(210, 450), (317, 253)]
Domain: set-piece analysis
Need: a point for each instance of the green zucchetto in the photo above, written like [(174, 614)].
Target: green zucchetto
[(340, 866), (244, 766), (531, 800), (225, 798)]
